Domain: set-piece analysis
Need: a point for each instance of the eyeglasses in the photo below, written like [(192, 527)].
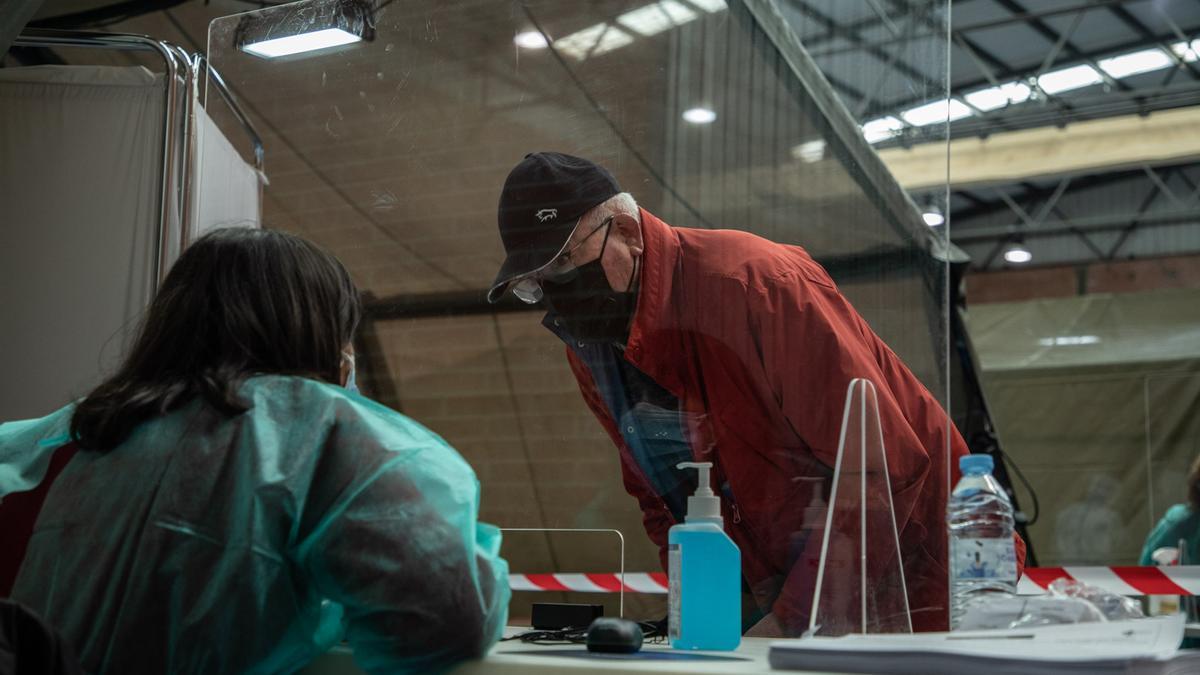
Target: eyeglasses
[(528, 288)]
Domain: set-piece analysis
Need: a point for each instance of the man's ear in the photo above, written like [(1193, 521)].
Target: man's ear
[(630, 231)]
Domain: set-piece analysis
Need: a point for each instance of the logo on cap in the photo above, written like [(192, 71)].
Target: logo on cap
[(546, 214)]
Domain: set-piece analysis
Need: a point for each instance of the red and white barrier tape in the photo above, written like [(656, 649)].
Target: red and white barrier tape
[(635, 582), (1183, 580), (1127, 580)]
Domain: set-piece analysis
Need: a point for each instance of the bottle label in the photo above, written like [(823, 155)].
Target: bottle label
[(973, 559), (674, 597)]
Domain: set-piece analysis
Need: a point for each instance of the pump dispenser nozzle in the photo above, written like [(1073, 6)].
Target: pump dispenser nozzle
[(704, 505)]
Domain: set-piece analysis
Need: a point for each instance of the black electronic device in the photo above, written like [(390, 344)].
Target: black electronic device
[(559, 615), (613, 635)]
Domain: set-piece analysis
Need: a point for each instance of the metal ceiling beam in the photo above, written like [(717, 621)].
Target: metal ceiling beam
[(1140, 28), (962, 28), (1013, 74), (1073, 225), (837, 30), (1077, 184)]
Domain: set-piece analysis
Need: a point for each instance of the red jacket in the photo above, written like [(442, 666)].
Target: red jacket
[(756, 342)]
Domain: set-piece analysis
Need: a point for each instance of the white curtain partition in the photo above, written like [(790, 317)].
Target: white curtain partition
[(80, 188), (228, 190)]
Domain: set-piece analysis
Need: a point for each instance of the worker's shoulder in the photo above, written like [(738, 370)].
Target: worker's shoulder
[(305, 401), (316, 400), (755, 262), (1180, 513)]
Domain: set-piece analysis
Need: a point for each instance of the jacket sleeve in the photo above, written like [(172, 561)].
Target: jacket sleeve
[(392, 535), (812, 344), (656, 518)]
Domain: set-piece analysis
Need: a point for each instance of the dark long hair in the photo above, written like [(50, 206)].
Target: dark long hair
[(238, 302)]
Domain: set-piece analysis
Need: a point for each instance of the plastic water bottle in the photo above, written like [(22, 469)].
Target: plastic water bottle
[(982, 556)]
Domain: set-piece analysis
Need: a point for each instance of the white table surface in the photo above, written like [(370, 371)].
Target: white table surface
[(513, 657)]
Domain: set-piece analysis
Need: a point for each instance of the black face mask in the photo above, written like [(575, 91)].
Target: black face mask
[(588, 306)]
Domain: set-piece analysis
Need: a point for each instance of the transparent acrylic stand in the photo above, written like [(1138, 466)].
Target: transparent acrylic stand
[(860, 585), (578, 538)]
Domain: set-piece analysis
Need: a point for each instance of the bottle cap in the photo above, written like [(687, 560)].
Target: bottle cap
[(704, 505), (976, 464)]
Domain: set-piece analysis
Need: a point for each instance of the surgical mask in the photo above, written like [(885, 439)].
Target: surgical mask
[(588, 306), (351, 384)]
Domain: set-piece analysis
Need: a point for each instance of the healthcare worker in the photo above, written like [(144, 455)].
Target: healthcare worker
[(1180, 524), (721, 346), (221, 504)]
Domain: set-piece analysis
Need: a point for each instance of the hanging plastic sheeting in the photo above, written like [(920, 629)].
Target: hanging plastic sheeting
[(1094, 399), (244, 544)]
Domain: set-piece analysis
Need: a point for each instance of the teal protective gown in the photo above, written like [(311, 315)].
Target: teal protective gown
[(251, 544)]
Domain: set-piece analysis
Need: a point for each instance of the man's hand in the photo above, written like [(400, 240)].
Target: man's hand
[(769, 627)]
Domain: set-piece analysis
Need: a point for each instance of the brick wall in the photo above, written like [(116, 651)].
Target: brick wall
[(1124, 276)]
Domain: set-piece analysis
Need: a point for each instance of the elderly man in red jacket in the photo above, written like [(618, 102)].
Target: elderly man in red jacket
[(721, 346)]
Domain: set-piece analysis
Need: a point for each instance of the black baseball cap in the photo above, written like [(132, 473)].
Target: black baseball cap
[(542, 200)]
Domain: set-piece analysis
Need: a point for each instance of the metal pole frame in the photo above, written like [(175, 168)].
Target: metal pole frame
[(182, 71)]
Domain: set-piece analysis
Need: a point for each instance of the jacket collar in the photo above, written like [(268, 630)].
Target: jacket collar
[(655, 327)]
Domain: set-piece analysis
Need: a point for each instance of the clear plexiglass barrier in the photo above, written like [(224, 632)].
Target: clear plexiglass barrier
[(767, 258)]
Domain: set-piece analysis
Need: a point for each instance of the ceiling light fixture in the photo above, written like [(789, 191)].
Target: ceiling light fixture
[(304, 42), (593, 41), (656, 18), (645, 21), (1069, 340), (700, 115), (531, 39), (305, 27), (992, 98), (1136, 63), (938, 111), (1188, 54), (882, 129), (1066, 79), (1017, 254), (809, 152)]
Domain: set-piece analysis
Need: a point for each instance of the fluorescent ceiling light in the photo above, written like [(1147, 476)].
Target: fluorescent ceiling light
[(304, 42), (531, 39), (1067, 79), (709, 6), (1182, 50), (1136, 63), (656, 18), (881, 129), (933, 218), (645, 21), (938, 111), (1018, 254), (998, 97), (809, 152), (593, 41), (1069, 340), (699, 115)]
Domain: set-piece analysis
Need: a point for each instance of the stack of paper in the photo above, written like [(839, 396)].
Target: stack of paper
[(1138, 647)]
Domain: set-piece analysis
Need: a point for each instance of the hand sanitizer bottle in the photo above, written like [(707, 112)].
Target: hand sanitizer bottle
[(704, 570)]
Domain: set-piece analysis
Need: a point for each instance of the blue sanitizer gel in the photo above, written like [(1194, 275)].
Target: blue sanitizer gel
[(704, 569)]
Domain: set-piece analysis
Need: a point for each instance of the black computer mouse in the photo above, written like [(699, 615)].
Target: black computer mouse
[(613, 635)]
